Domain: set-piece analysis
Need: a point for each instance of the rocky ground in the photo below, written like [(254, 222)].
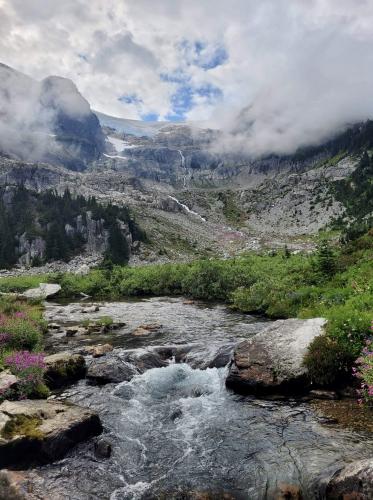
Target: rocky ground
[(268, 361)]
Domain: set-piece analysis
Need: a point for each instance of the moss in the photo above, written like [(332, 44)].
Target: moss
[(41, 391), (65, 372), (22, 425)]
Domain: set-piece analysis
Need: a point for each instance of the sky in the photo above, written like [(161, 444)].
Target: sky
[(273, 74)]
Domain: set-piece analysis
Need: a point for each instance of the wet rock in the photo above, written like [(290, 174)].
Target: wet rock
[(200, 357), (321, 394), (44, 291), (110, 369), (353, 482), (7, 381), (72, 331), (63, 368), (143, 330), (54, 326), (122, 365), (39, 431), (98, 350), (272, 361), (117, 325), (103, 448), (91, 309)]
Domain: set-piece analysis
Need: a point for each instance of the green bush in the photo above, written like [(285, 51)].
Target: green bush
[(328, 362)]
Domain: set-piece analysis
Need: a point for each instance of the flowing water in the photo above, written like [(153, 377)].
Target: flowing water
[(178, 433)]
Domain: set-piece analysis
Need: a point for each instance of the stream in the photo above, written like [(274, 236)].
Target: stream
[(176, 432)]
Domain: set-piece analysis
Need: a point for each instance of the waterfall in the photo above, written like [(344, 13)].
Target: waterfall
[(187, 209)]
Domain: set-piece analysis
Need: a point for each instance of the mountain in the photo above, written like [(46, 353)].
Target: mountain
[(191, 198), (47, 121)]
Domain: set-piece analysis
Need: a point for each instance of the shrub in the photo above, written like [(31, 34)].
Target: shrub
[(29, 368), (364, 372), (328, 362)]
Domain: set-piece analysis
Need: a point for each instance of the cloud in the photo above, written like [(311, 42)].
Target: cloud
[(281, 73)]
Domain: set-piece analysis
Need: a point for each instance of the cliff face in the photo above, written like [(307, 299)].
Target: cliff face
[(40, 227), (47, 121)]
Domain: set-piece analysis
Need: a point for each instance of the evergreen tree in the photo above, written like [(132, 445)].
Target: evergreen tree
[(326, 262)]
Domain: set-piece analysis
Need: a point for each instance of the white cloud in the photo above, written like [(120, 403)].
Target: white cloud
[(295, 69)]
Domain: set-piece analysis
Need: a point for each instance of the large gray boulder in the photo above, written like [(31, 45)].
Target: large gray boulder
[(39, 431), (43, 291), (355, 481), (272, 360)]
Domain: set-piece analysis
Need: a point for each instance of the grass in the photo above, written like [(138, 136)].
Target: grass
[(335, 283), (19, 284)]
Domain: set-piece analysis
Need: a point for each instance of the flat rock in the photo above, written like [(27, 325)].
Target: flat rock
[(321, 394), (63, 368), (39, 431), (272, 360), (355, 481), (43, 291), (147, 329)]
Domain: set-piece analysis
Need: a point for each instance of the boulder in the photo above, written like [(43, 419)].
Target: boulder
[(44, 291), (110, 369), (121, 365), (7, 381), (355, 481), (39, 431), (98, 350), (272, 360), (63, 368), (103, 448)]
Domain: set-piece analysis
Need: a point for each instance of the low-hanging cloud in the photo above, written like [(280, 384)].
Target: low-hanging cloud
[(288, 72), (29, 112)]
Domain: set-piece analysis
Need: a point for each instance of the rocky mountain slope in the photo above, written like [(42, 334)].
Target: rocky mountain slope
[(191, 199), (41, 227)]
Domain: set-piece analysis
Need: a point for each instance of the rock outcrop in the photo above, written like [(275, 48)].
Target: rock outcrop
[(355, 481), (272, 361), (38, 431)]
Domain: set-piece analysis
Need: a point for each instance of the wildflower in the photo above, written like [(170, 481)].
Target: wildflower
[(20, 315)]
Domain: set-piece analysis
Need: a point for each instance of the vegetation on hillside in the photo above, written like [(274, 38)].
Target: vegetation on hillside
[(56, 220)]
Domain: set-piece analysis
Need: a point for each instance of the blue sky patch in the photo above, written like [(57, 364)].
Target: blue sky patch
[(150, 117), (130, 99)]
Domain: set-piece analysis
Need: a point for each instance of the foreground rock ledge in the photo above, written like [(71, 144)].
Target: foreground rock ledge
[(355, 481), (272, 361), (38, 431)]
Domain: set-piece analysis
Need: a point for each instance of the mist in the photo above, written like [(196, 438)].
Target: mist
[(273, 75)]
